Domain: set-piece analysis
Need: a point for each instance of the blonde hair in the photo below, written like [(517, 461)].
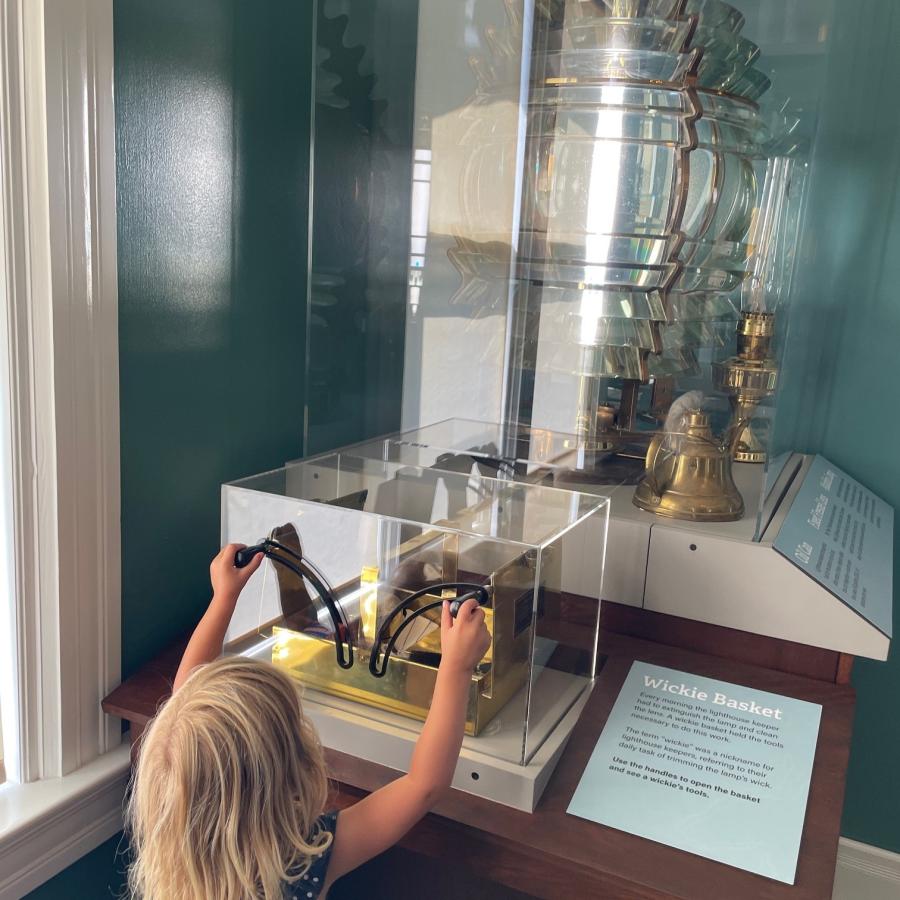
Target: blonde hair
[(228, 787)]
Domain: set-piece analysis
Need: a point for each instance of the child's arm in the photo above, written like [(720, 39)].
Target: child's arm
[(371, 826), (205, 644)]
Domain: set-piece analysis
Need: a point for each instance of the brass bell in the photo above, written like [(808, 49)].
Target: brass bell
[(689, 474)]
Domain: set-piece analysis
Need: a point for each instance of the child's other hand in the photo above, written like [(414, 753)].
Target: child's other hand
[(465, 639), (227, 580)]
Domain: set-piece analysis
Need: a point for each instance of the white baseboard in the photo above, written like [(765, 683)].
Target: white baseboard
[(52, 823), (866, 873)]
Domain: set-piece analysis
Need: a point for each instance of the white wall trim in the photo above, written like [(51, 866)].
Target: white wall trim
[(25, 273), (865, 872), (59, 349), (81, 155), (59, 820)]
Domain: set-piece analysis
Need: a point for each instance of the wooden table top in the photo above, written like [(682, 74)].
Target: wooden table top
[(551, 854)]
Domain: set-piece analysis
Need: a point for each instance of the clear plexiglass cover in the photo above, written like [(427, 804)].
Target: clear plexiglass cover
[(361, 554), (575, 215)]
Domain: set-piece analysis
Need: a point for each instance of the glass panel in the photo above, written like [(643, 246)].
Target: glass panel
[(576, 223), (600, 208), (362, 551), (362, 163)]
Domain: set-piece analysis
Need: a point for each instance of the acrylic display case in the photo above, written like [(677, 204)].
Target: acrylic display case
[(603, 201), (552, 252), (692, 570), (362, 553), (512, 452)]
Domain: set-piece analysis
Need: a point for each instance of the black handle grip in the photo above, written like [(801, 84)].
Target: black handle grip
[(244, 557), (479, 593)]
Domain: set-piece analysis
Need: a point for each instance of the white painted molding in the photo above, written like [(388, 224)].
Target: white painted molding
[(81, 156), (59, 349), (866, 873), (58, 820), (24, 270)]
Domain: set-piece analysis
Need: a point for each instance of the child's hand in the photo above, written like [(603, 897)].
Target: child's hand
[(227, 580), (465, 639), (206, 641)]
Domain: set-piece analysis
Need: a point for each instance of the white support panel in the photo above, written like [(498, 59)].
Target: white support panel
[(485, 766), (627, 548), (388, 740), (750, 587), (583, 558)]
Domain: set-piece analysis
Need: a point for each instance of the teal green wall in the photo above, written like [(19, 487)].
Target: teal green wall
[(849, 289), (212, 120), (99, 875)]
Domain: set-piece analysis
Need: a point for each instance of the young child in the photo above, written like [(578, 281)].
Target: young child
[(229, 796)]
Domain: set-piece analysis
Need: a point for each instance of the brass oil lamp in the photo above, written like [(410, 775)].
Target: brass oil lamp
[(749, 378)]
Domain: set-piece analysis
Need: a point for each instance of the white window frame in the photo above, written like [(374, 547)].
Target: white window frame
[(59, 437)]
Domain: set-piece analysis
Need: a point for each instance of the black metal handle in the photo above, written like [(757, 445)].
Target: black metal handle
[(305, 569), (479, 591), (244, 557), (456, 605)]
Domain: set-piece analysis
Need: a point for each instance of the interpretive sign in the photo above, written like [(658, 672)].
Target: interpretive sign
[(713, 768), (842, 535)]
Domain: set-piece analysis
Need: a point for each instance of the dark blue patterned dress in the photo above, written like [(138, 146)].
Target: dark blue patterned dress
[(309, 886)]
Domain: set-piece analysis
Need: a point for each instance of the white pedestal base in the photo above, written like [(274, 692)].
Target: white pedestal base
[(486, 767)]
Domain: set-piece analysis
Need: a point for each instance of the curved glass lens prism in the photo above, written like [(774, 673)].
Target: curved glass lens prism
[(600, 64), (710, 13), (666, 35)]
